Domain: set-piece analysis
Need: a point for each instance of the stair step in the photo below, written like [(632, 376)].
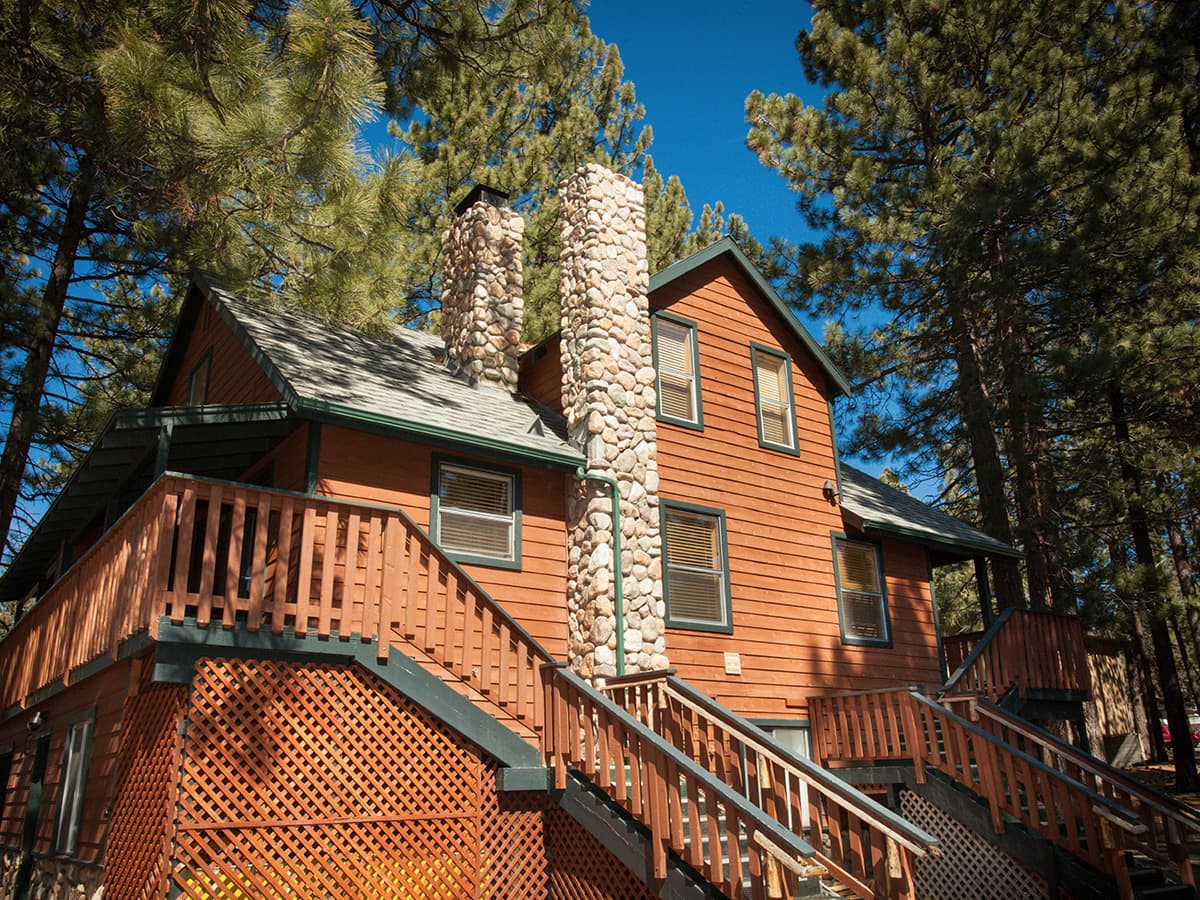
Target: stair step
[(1167, 892)]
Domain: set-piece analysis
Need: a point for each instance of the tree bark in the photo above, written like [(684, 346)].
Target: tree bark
[(1188, 672), (1143, 683), (27, 396), (1148, 589), (1184, 573), (985, 455)]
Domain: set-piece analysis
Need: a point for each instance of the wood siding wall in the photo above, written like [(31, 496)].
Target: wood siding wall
[(359, 466), (233, 375), (779, 525), (105, 693)]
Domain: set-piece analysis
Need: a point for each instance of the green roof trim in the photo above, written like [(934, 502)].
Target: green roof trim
[(337, 413), (875, 508), (726, 246)]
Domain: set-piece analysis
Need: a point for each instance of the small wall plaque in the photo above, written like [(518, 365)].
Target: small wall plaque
[(733, 663)]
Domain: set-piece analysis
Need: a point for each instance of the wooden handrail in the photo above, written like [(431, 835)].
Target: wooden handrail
[(1166, 820), (225, 554), (1031, 649), (906, 725), (646, 774), (775, 780)]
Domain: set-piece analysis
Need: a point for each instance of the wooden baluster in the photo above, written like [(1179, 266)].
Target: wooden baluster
[(308, 539), (183, 555), (328, 572), (716, 872), (258, 564), (485, 651), (379, 582), (283, 560), (160, 597), (472, 615), (231, 577), (433, 599), (522, 665), (560, 733), (504, 639), (208, 566), (354, 618), (635, 776), (915, 739), (695, 855), (412, 592)]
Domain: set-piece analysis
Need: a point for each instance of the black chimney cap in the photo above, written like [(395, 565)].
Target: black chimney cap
[(489, 195)]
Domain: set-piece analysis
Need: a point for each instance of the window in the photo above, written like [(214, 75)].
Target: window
[(198, 381), (71, 786), (476, 513), (697, 578), (862, 605), (675, 359), (774, 399)]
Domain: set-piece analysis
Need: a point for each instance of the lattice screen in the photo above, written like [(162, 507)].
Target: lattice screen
[(969, 865), (512, 842), (139, 841), (309, 780), (580, 866)]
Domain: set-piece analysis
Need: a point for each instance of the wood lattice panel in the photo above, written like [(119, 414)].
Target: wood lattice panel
[(137, 858), (581, 868), (512, 842), (969, 866), (311, 780)]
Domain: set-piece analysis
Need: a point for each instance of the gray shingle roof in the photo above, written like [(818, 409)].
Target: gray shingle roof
[(879, 508), (395, 381)]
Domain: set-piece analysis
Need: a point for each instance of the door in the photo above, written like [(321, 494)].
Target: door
[(33, 811)]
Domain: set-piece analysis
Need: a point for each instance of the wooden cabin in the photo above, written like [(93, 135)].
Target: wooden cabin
[(402, 614)]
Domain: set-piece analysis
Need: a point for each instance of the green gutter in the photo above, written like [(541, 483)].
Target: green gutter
[(618, 567), (962, 544), (335, 413)]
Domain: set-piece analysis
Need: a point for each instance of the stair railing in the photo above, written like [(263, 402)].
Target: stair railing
[(1031, 649), (686, 809), (903, 724), (1168, 822), (859, 842)]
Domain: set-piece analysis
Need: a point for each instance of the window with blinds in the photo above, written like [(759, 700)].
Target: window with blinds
[(675, 358), (477, 515), (860, 593), (773, 396), (696, 577)]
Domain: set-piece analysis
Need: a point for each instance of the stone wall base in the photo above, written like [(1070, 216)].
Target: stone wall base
[(53, 879)]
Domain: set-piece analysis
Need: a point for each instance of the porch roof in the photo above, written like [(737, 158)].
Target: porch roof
[(874, 508)]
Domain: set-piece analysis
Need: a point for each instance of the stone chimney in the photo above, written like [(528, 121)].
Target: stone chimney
[(482, 303), (609, 401)]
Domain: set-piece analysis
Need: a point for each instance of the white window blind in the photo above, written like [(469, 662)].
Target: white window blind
[(475, 512), (774, 400), (676, 370), (863, 613), (695, 567)]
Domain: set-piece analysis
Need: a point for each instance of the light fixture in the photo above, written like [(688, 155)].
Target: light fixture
[(829, 490), (38, 720)]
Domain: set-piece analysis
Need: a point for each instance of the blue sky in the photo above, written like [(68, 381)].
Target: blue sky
[(693, 65)]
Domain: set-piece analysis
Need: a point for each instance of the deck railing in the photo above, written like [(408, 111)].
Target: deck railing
[(702, 819), (859, 842), (222, 554), (1031, 649), (872, 726), (1168, 823)]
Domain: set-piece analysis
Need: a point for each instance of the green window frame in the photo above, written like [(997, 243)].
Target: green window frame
[(198, 381), (861, 592), (677, 364), (695, 567), (774, 399), (72, 783), (475, 512)]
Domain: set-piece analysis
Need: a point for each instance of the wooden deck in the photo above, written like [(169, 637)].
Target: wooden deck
[(1034, 651)]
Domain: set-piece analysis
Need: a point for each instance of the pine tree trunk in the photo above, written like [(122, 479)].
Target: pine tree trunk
[(1184, 573), (27, 396), (1184, 754), (985, 454), (1188, 671), (1143, 682)]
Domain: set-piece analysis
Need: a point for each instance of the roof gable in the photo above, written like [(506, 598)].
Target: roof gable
[(728, 248)]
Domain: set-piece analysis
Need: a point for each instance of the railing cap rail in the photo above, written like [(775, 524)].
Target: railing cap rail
[(782, 836), (917, 839), (1168, 805), (899, 689), (1116, 808)]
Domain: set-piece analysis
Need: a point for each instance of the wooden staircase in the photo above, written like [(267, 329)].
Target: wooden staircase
[(1026, 779)]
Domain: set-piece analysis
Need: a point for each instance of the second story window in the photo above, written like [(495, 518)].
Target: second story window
[(774, 399), (475, 513), (676, 359), (862, 604)]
